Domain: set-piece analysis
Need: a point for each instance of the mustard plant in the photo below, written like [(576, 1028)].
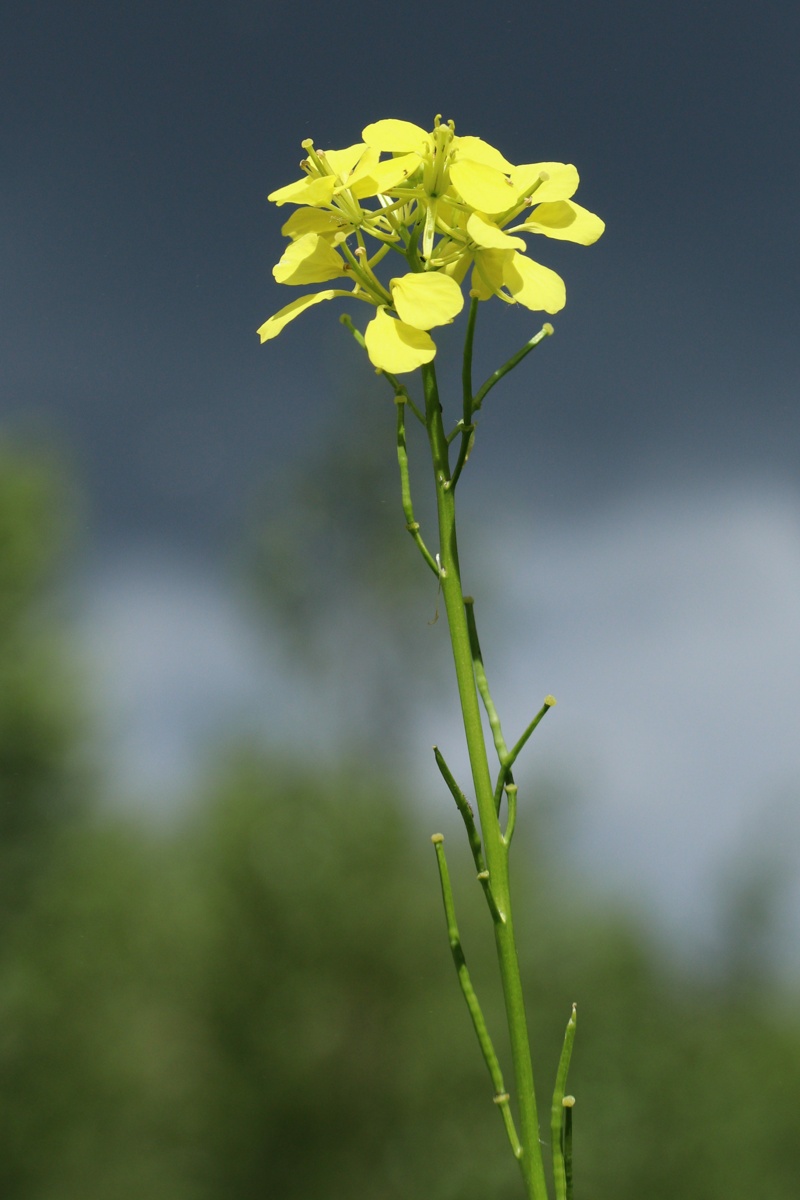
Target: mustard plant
[(433, 206)]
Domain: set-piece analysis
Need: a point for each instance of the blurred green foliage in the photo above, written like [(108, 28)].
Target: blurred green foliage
[(41, 783), (258, 1000)]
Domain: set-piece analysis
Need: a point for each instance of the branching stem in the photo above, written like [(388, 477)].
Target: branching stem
[(515, 360), (494, 845), (489, 845), (501, 1096)]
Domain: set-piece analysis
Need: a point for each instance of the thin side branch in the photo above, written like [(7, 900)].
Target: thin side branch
[(468, 817), (561, 1113), (510, 757), (466, 424), (483, 683), (397, 386), (501, 1096), (464, 808), (546, 331), (405, 486)]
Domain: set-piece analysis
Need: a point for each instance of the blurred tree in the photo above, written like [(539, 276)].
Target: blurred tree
[(258, 1000), (329, 999), (98, 1062), (41, 711)]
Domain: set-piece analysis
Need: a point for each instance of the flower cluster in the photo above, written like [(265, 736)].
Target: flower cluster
[(445, 204)]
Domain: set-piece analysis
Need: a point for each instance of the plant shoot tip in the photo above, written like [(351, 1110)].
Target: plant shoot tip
[(550, 701), (568, 1102), (437, 838)]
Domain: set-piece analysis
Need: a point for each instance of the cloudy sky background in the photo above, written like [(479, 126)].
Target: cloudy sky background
[(637, 483)]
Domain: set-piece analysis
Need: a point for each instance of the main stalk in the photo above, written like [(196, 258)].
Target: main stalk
[(494, 846)]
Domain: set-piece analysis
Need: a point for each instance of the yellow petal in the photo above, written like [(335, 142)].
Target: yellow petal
[(561, 183), (396, 347), (479, 285), (452, 214), (342, 162), (476, 150), (488, 274), (533, 285), (427, 299), (565, 220), (272, 327), (309, 260), (312, 220), (482, 187), (383, 176), (457, 268), (316, 191), (486, 234), (395, 136)]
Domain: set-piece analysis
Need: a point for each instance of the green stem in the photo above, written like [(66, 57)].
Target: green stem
[(501, 1096), (483, 682), (509, 757), (396, 385), (568, 1103), (412, 525), (511, 822), (483, 391), (495, 848), (472, 833), (465, 810), (561, 1115), (467, 428), (466, 362)]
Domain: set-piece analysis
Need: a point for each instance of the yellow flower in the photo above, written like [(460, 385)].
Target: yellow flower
[(422, 301), (444, 203), (526, 282)]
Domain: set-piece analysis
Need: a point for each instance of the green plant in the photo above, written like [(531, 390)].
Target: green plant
[(447, 204)]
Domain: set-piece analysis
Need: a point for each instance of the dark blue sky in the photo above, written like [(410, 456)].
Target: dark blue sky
[(645, 460), (139, 142)]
